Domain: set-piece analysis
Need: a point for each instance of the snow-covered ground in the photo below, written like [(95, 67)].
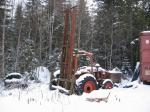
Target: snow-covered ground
[(38, 98)]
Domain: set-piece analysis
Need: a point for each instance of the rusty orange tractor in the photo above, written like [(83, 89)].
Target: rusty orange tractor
[(90, 76)]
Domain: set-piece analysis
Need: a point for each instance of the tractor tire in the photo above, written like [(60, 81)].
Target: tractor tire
[(85, 83), (107, 84)]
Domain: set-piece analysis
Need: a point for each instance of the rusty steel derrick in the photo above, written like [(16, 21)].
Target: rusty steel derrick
[(67, 66)]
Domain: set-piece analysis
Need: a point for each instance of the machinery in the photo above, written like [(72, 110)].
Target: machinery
[(90, 76), (78, 72)]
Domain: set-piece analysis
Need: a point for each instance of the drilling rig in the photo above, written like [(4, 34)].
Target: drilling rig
[(73, 77)]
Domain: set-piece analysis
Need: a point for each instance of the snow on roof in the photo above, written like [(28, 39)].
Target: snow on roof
[(145, 32)]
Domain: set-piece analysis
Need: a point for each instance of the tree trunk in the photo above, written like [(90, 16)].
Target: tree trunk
[(80, 22), (111, 48), (18, 47), (51, 24), (3, 44)]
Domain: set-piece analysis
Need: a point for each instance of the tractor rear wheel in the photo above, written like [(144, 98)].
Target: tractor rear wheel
[(85, 83)]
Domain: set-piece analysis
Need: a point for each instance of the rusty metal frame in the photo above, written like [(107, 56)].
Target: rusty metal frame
[(67, 67)]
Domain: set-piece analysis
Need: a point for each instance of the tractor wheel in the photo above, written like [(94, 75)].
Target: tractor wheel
[(85, 83), (107, 84)]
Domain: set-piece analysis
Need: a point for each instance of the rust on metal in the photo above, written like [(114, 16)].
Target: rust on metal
[(67, 63)]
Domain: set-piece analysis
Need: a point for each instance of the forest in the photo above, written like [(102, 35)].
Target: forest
[(31, 32)]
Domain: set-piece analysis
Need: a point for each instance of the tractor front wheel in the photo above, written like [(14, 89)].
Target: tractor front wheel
[(107, 84)]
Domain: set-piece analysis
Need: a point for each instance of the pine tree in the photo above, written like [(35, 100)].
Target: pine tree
[(104, 33), (18, 26), (2, 36), (84, 26), (54, 30)]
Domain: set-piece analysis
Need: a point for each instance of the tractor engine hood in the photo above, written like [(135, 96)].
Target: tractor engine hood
[(89, 69)]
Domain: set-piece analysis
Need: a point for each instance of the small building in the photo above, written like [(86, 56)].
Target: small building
[(145, 56)]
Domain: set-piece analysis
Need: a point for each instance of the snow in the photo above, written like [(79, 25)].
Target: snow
[(97, 65), (107, 80), (71, 2), (13, 79), (87, 69), (56, 73), (84, 69), (134, 41), (92, 6), (137, 65), (115, 70), (43, 74), (14, 73), (38, 98), (20, 1), (145, 32)]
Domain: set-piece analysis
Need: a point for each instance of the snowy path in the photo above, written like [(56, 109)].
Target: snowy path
[(38, 98)]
